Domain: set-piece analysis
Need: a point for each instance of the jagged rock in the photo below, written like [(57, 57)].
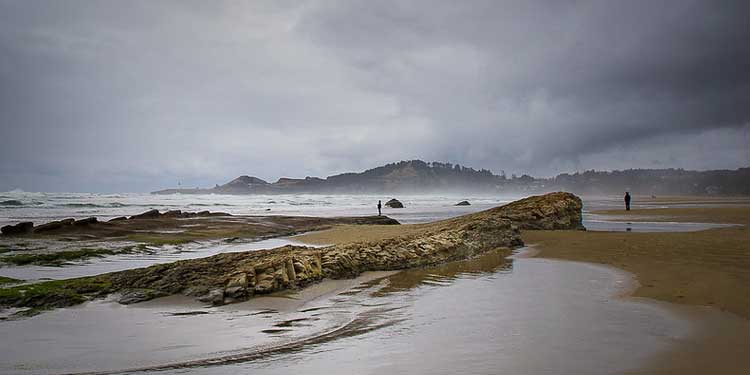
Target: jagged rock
[(265, 282), (150, 214), (172, 213), (52, 225), (235, 292), (548, 212), (196, 291), (237, 287), (20, 228), (135, 296), (86, 221), (214, 297), (394, 203), (120, 218), (463, 203)]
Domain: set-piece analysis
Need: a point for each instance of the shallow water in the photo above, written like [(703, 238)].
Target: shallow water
[(611, 223), (120, 262), (487, 315)]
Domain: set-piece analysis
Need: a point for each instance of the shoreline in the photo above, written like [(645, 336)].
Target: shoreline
[(237, 276), (693, 274)]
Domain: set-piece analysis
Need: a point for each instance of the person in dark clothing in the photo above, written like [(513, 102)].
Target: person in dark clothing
[(627, 201), (379, 207)]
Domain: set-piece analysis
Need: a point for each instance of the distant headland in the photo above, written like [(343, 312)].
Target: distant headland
[(417, 176)]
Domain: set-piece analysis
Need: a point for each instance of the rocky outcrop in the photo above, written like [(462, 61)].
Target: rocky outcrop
[(53, 225), (237, 276), (86, 221), (178, 226), (550, 211), (394, 203), (150, 214), (231, 277), (20, 228), (463, 203)]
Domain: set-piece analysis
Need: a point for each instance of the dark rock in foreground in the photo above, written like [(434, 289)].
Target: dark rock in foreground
[(150, 214), (20, 228), (175, 227), (231, 277), (86, 221), (394, 203)]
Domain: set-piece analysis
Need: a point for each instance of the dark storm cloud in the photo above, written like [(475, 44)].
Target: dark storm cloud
[(138, 95), (567, 78)]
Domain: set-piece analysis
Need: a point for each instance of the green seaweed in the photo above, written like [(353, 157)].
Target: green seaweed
[(8, 280), (162, 239), (55, 258), (56, 293)]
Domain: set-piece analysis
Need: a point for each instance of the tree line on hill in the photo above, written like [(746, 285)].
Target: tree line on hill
[(417, 176)]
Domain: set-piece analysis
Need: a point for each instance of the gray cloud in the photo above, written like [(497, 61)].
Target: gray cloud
[(139, 95)]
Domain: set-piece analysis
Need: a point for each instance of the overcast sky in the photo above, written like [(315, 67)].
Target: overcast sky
[(137, 95)]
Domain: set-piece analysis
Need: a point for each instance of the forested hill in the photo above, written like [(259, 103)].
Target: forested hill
[(416, 176), (657, 182)]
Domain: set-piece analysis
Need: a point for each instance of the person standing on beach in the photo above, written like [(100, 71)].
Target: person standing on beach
[(379, 207), (627, 201)]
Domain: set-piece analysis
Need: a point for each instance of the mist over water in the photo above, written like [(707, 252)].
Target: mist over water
[(18, 206)]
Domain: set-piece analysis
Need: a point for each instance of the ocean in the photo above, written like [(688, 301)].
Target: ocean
[(16, 206)]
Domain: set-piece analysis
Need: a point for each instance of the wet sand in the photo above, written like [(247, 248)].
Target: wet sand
[(357, 233), (704, 268), (707, 271)]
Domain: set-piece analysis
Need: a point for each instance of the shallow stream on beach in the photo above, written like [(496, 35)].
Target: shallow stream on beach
[(486, 315)]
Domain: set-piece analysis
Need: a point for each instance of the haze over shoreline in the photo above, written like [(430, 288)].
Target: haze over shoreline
[(419, 177)]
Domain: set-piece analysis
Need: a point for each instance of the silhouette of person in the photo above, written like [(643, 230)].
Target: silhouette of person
[(627, 201), (379, 207)]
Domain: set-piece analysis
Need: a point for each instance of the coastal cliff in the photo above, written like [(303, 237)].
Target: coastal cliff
[(230, 277)]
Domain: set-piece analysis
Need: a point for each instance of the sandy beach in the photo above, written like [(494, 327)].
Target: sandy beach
[(703, 276)]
